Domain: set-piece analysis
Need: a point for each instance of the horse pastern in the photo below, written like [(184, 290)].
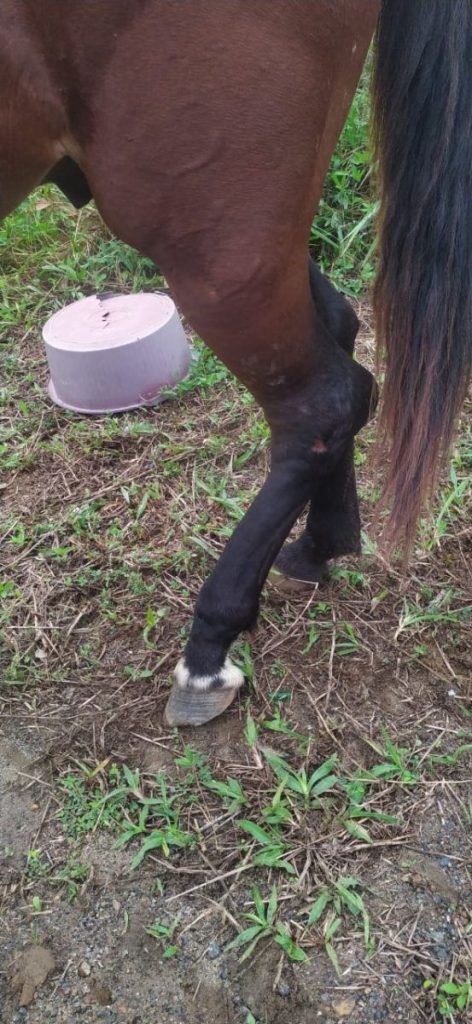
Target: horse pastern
[(229, 677)]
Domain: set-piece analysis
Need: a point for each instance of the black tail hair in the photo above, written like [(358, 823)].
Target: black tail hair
[(422, 92)]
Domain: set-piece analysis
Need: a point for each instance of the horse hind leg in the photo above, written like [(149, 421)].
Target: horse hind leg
[(312, 419), (333, 522)]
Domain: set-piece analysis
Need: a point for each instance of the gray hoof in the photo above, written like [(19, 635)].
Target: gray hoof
[(193, 707), (195, 700)]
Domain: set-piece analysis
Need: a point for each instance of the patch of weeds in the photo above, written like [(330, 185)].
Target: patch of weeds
[(19, 538), (153, 618), (278, 811), (297, 792), (319, 623), (278, 670), (73, 875), (251, 733), (86, 806), (346, 640), (192, 763), (230, 793), (333, 903), (20, 672), (346, 801), (354, 815), (451, 998), (8, 589), (36, 865), (342, 236), (353, 579), (301, 792), (273, 846), (437, 610), (398, 763), (118, 802), (158, 819), (252, 441), (217, 488), (264, 925), (85, 518), (452, 501), (206, 371), (306, 788), (280, 696), (448, 760), (10, 597), (324, 790), (280, 725), (312, 638), (242, 657), (164, 934)]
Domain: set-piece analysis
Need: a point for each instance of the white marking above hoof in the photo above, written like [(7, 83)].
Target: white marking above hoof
[(229, 677)]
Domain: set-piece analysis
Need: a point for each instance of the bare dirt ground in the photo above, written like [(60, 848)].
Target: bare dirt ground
[(108, 528)]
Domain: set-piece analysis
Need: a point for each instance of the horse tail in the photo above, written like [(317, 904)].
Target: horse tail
[(422, 96)]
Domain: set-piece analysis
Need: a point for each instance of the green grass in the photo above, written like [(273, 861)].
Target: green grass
[(47, 250), (343, 237), (450, 998), (264, 925), (270, 827), (332, 904)]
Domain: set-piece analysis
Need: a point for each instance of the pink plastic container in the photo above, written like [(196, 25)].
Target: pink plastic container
[(109, 353)]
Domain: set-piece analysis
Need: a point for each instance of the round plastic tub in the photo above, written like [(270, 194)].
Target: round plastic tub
[(109, 353)]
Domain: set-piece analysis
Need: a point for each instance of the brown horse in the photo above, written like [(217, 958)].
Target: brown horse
[(203, 129)]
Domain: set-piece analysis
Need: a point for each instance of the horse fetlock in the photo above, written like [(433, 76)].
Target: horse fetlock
[(221, 614)]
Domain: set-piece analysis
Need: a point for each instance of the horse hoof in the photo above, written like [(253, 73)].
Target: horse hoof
[(196, 700), (295, 563), (287, 586), (189, 707)]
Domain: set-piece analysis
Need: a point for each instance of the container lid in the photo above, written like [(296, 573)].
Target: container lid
[(107, 321)]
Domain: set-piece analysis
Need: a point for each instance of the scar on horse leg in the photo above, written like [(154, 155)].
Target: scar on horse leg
[(333, 523), (311, 428)]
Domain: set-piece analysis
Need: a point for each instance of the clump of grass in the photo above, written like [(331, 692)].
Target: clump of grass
[(84, 806), (451, 999), (50, 254), (264, 925), (332, 904), (164, 933), (342, 236)]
